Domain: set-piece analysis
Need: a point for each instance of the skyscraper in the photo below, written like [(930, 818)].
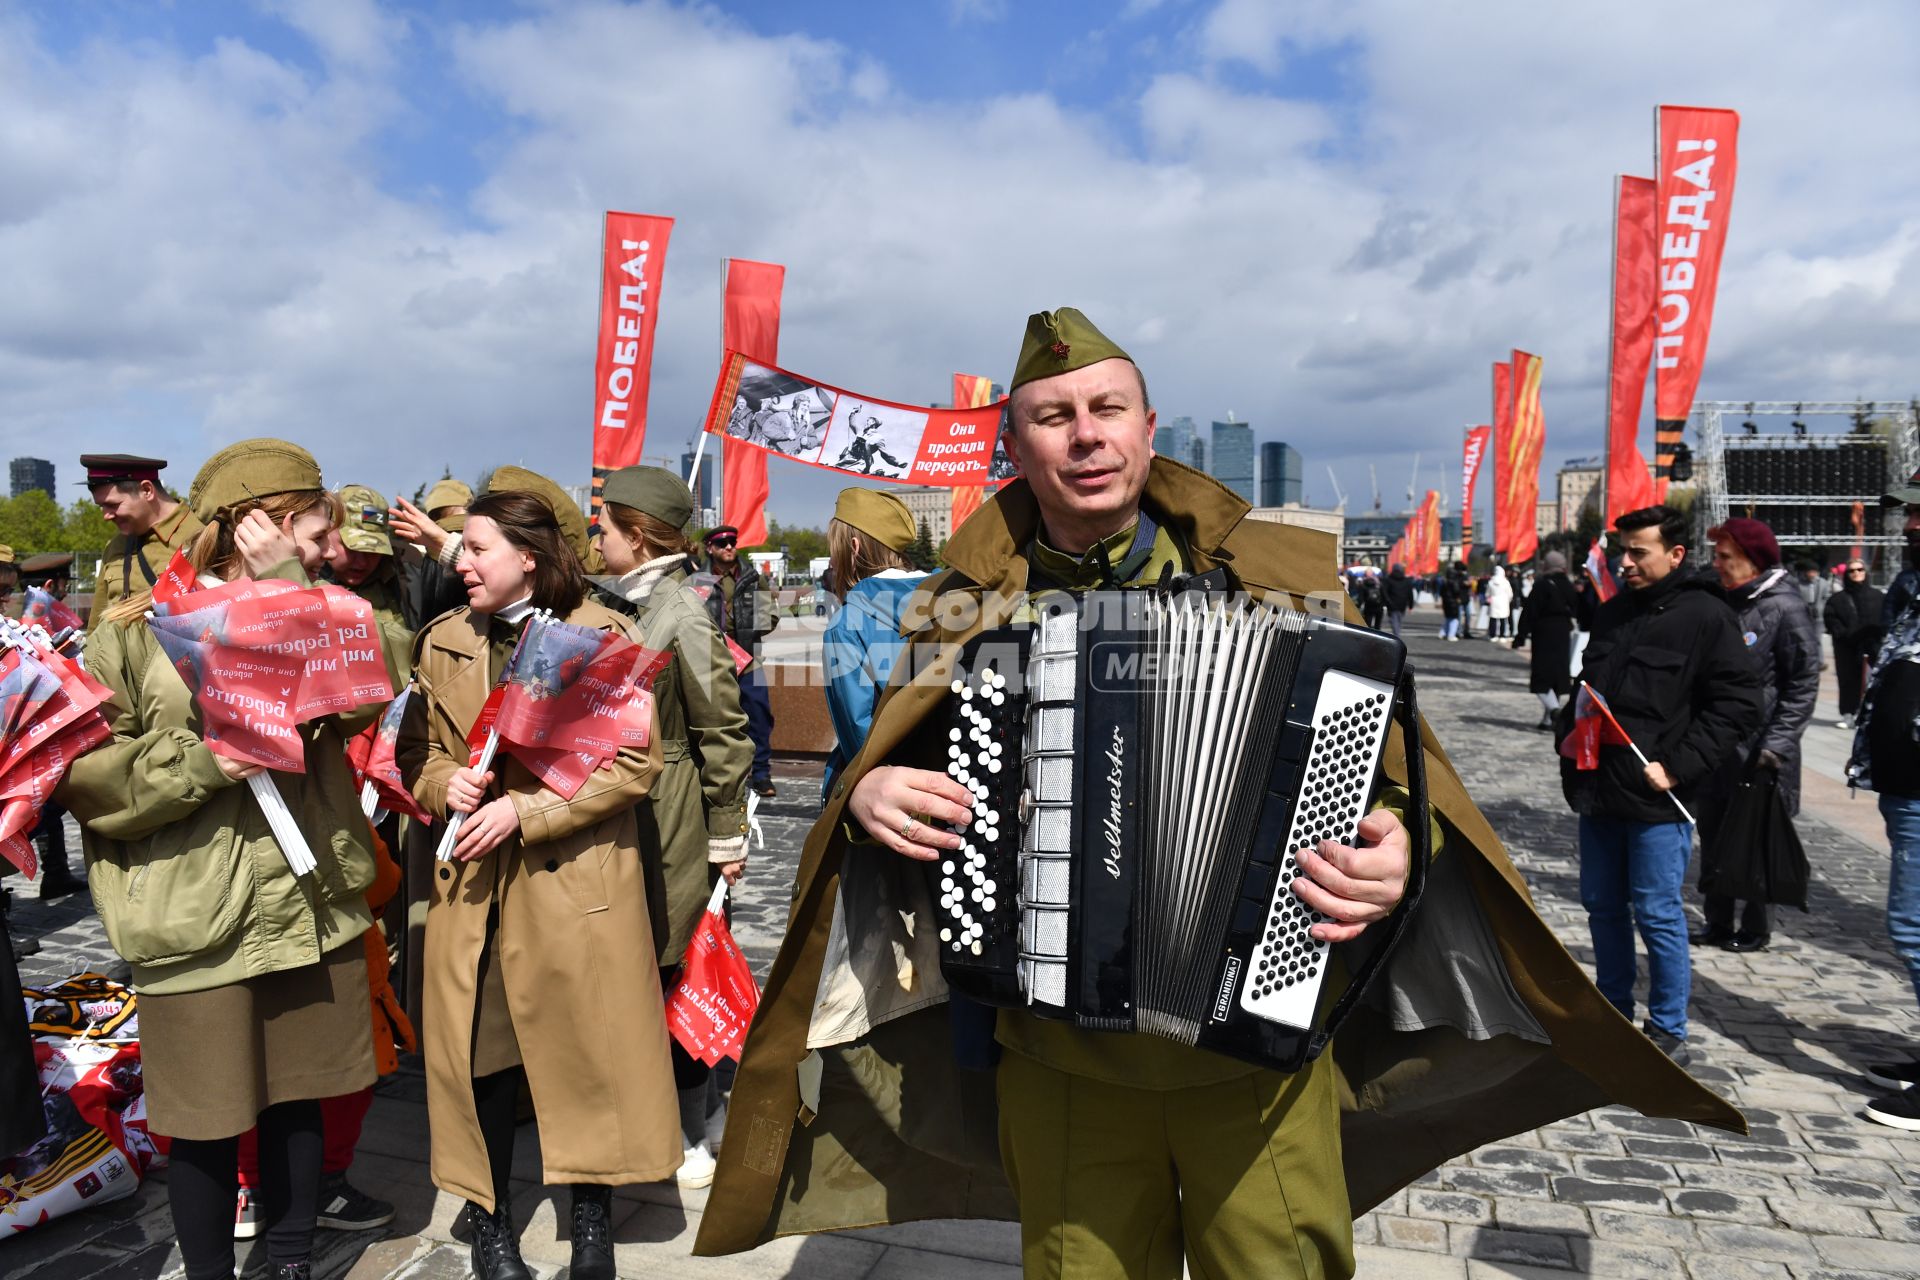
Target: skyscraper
[(1233, 457), (32, 473), (1174, 438), (1279, 474), (706, 491)]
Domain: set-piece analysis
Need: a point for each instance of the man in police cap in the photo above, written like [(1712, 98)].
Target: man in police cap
[(150, 525), (1125, 1155)]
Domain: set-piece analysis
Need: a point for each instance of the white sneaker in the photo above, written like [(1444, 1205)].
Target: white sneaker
[(696, 1168), (1844, 722), (716, 1128)]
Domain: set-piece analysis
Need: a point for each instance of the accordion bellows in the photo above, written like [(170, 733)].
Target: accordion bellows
[(1145, 766)]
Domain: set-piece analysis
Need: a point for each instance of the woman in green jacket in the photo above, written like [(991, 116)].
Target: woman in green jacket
[(253, 985), (694, 828)]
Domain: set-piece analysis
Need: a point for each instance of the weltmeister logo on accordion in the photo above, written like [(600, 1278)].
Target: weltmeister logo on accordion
[(1146, 766)]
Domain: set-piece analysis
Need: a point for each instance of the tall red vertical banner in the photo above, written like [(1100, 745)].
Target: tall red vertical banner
[(1502, 446), (1696, 150), (1474, 455), (1635, 246), (633, 256), (1423, 541), (1529, 438), (751, 325), (970, 391)]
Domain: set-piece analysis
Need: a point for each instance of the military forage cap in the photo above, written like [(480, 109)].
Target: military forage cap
[(252, 471), (880, 516), (107, 468), (365, 527), (447, 492), (652, 491), (1060, 342), (573, 524)]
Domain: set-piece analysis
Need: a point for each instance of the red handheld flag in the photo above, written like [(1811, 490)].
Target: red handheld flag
[(711, 1006)]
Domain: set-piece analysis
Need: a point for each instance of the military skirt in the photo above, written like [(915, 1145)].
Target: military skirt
[(213, 1060)]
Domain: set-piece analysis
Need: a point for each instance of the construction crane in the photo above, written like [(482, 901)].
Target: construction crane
[(1413, 481), (1374, 480), (1339, 497)]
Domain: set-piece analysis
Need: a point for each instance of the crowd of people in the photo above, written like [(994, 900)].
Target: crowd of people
[(531, 969)]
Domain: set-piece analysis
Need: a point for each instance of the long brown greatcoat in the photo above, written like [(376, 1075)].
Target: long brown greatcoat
[(1449, 1052), (575, 948)]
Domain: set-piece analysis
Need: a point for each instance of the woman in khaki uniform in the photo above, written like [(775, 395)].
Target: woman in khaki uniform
[(539, 959), (253, 986), (693, 829)]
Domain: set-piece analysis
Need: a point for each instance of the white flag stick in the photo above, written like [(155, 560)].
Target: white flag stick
[(1641, 755), (719, 897), (286, 832), (369, 800), (452, 835)]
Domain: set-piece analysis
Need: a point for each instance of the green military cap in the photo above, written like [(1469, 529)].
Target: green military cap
[(573, 524), (652, 491), (1060, 342), (447, 492), (6, 554), (1907, 495), (880, 516), (251, 471), (107, 468), (365, 527)]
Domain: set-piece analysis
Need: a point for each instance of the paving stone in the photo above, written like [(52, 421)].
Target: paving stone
[(1892, 1224), (1525, 1214), (1413, 1233), (1823, 1217), (1498, 1182), (1522, 1158), (1612, 1224), (1670, 1149), (1720, 1204), (1715, 1177), (1615, 1194), (1491, 1244), (1621, 1261), (1449, 1206), (1768, 1244), (1710, 1267), (1606, 1169), (1841, 1189), (1585, 1141), (1896, 1256)]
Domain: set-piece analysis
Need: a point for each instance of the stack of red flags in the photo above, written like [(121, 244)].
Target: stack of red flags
[(50, 715), (42, 609), (371, 753), (712, 1004), (1593, 728)]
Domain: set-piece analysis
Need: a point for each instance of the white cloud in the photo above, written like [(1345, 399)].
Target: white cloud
[(200, 247)]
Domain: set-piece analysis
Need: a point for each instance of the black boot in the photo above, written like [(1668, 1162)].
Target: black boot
[(56, 878), (292, 1271), (592, 1233), (496, 1247)]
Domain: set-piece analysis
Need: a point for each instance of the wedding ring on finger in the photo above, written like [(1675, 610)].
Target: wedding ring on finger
[(906, 832)]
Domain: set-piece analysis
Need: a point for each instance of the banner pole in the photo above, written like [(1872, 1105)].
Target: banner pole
[(1613, 338)]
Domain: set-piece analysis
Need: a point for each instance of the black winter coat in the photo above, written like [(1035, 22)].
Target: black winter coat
[(1397, 591), (1672, 663), (752, 613), (1547, 620), (1780, 636)]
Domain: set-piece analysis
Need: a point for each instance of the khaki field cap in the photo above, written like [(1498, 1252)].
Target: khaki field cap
[(573, 524), (365, 527), (879, 516), (447, 493), (6, 554), (252, 471), (652, 491), (1060, 342)]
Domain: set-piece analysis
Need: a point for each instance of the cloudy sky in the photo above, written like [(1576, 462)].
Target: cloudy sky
[(372, 227)]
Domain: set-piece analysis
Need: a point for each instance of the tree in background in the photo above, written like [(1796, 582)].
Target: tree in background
[(922, 551)]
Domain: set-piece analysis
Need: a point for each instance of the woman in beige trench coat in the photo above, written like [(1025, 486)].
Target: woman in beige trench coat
[(539, 957)]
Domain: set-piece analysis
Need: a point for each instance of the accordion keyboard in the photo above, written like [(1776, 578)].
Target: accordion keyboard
[(983, 755), (1351, 717)]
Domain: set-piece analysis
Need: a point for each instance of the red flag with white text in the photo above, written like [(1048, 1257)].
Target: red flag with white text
[(1475, 455), (750, 324), (1635, 273), (1526, 442), (1696, 149), (970, 391), (1502, 455), (633, 257)]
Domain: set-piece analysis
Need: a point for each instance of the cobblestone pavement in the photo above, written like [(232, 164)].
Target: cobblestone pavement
[(1815, 1191)]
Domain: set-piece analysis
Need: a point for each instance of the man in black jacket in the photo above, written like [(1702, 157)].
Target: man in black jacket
[(1668, 656), (742, 605), (1397, 593)]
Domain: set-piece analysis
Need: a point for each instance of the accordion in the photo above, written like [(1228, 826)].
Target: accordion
[(1145, 765)]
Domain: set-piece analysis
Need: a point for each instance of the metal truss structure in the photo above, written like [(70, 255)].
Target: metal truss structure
[(1710, 461)]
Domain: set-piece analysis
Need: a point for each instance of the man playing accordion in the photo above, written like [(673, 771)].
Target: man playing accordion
[(860, 1099)]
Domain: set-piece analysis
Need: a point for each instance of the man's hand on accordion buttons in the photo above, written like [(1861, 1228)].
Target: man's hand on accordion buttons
[(1351, 886), (898, 806)]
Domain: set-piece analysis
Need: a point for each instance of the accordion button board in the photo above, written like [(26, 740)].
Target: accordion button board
[(1145, 769)]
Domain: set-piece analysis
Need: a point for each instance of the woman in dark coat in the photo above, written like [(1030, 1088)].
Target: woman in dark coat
[(1548, 619), (1852, 617), (1781, 638)]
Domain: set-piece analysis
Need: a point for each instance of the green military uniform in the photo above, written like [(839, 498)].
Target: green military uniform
[(131, 565), (364, 529), (850, 1108)]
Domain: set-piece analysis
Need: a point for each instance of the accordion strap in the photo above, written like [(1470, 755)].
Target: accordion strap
[(1419, 830)]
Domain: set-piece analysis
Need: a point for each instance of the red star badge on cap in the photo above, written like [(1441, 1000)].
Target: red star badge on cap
[(1061, 350)]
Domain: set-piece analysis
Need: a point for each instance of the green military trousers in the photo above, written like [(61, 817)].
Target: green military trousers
[(1242, 1178)]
